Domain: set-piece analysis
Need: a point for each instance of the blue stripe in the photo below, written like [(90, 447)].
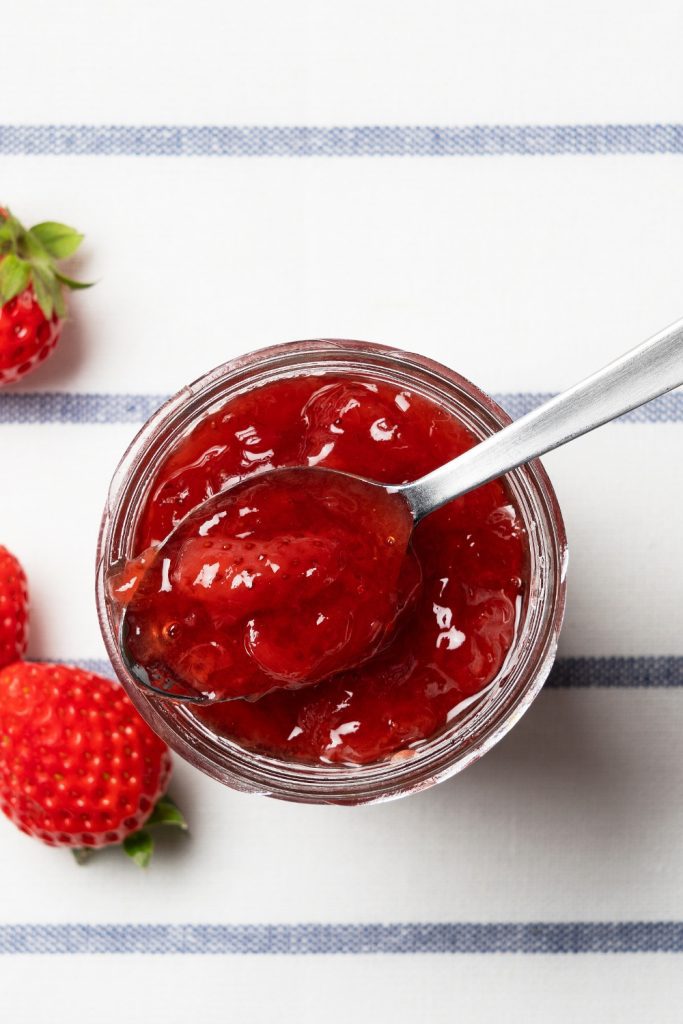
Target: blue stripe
[(567, 673), (65, 407), (325, 939), (352, 141), (666, 409), (612, 673), (58, 407)]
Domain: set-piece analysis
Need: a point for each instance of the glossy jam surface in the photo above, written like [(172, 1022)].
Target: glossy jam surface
[(456, 594), (278, 582)]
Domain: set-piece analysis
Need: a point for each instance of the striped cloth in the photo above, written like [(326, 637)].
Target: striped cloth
[(501, 189), (361, 140)]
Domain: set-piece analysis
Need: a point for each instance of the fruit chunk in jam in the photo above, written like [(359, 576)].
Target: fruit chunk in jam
[(281, 581), (456, 594)]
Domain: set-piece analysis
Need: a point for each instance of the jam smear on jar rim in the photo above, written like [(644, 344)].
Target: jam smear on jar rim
[(447, 607)]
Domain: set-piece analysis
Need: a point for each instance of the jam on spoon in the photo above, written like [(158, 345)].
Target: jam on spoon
[(280, 581)]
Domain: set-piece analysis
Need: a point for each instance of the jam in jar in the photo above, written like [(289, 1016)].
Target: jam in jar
[(348, 656)]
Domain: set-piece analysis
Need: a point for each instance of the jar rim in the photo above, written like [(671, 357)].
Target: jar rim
[(455, 745)]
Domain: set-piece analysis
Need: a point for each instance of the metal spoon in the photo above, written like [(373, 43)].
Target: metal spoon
[(645, 372)]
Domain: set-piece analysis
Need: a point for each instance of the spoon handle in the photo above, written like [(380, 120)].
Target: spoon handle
[(649, 370)]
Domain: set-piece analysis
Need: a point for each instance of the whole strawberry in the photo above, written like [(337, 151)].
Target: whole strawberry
[(32, 303), (13, 609), (78, 766)]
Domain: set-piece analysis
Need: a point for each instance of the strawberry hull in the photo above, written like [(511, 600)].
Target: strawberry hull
[(32, 292)]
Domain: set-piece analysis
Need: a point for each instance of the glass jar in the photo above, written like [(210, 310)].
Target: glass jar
[(481, 724)]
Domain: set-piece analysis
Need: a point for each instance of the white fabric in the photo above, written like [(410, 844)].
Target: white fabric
[(521, 272)]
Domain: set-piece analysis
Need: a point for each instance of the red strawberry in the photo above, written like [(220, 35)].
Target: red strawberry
[(32, 304), (78, 766), (13, 609)]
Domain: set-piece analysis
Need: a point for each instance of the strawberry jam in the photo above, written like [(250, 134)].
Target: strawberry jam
[(334, 634), (281, 581)]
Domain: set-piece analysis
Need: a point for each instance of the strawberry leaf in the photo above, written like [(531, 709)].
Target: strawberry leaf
[(34, 251), (59, 301), (166, 812), (70, 282), (139, 847), (30, 257), (42, 285), (58, 240), (14, 276), (13, 226), (82, 854)]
